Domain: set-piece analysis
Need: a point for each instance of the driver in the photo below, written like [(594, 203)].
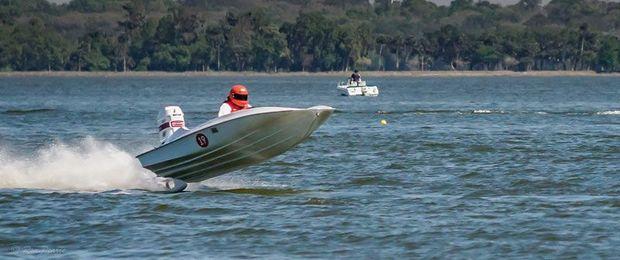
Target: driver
[(237, 100), (356, 77)]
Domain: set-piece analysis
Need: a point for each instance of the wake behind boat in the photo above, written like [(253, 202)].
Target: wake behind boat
[(227, 143)]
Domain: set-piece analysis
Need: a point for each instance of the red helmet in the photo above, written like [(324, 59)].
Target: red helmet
[(239, 95)]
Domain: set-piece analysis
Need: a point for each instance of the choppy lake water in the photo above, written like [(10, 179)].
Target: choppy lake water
[(466, 167)]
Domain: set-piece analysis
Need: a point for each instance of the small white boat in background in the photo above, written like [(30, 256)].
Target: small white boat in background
[(357, 88), (227, 143)]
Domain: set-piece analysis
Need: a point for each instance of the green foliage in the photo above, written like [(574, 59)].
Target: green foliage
[(609, 56), (170, 57), (300, 35), (88, 6), (32, 47)]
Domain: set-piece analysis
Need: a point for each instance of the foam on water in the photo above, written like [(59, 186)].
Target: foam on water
[(482, 111), (89, 165), (233, 181), (610, 112)]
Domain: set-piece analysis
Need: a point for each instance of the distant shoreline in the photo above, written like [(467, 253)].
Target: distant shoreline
[(308, 74)]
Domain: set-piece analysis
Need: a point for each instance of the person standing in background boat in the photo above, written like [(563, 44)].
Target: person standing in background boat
[(356, 77), (237, 100)]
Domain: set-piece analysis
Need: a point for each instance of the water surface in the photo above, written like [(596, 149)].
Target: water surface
[(466, 167)]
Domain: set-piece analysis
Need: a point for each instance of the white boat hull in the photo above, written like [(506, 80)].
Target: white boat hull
[(359, 91), (357, 88), (234, 141)]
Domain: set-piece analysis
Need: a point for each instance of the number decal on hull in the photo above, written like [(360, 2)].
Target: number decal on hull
[(202, 140)]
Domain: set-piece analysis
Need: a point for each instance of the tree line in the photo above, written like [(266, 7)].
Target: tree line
[(168, 35)]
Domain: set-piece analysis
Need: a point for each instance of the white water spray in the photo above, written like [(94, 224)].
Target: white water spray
[(88, 166)]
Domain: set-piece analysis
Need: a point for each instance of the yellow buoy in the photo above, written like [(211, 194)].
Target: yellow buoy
[(383, 122)]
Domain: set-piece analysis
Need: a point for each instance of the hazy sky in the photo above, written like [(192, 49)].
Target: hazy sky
[(441, 2)]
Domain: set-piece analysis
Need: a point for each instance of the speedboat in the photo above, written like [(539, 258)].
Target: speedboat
[(357, 88), (226, 143)]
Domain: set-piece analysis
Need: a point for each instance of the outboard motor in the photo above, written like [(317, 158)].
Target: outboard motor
[(170, 120)]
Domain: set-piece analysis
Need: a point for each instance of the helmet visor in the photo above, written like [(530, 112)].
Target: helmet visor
[(240, 97)]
